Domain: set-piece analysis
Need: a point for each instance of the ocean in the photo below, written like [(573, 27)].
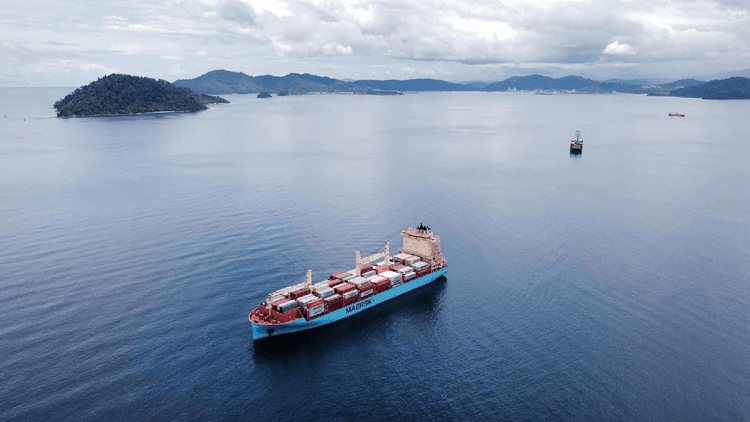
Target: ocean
[(612, 285)]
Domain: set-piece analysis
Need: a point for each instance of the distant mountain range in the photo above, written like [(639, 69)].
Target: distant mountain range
[(736, 88), (226, 82)]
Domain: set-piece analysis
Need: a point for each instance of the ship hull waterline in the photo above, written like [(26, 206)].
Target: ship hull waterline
[(261, 331)]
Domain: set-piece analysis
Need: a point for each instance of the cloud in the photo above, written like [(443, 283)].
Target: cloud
[(617, 49), (238, 12)]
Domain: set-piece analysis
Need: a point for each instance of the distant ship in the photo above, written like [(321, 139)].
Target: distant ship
[(676, 115), (576, 144), (346, 293)]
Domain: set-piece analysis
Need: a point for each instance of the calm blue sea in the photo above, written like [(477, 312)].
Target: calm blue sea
[(611, 286)]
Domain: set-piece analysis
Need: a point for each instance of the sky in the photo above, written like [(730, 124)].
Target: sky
[(70, 43)]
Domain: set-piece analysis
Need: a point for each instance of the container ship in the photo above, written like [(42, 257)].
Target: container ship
[(374, 280)]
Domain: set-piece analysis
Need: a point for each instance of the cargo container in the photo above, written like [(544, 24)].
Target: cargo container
[(410, 261), (335, 282), (396, 267), (404, 270), (334, 302), (401, 257), (419, 266), (365, 269), (360, 282), (316, 311), (338, 275), (409, 276), (423, 272), (369, 274), (381, 269), (343, 288), (324, 291), (299, 293), (382, 285), (304, 300), (374, 279), (348, 277), (290, 304), (393, 276), (367, 292)]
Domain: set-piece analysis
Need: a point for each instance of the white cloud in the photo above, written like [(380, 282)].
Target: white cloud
[(452, 40), (617, 49)]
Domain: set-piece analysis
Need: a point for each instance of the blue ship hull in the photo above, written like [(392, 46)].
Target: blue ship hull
[(272, 330)]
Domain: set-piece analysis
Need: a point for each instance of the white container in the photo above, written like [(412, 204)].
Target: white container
[(365, 293), (405, 270), (374, 279), (401, 257), (369, 274), (419, 266), (358, 282), (349, 294), (411, 261), (324, 292), (393, 276), (409, 276), (317, 310)]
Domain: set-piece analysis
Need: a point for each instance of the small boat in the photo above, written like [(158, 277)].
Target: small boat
[(576, 144), (676, 115)]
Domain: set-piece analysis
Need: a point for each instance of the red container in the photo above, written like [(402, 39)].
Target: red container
[(275, 305), (369, 291), (353, 299), (339, 274), (314, 303), (334, 303), (343, 288), (423, 272), (382, 268), (396, 267), (366, 269), (299, 293), (335, 282), (382, 285), (286, 316)]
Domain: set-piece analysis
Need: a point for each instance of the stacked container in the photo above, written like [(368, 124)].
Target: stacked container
[(358, 282), (423, 272), (338, 275), (334, 302), (410, 261), (409, 276), (381, 269), (335, 282), (419, 266), (315, 308), (369, 273), (401, 257), (304, 300), (395, 278), (349, 292), (299, 293), (382, 285), (324, 291)]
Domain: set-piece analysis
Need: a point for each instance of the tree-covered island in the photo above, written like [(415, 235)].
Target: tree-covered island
[(118, 94)]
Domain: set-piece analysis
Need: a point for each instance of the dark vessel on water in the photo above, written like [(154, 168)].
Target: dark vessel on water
[(576, 144)]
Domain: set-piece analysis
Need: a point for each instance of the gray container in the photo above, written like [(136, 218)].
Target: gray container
[(419, 266), (410, 261), (324, 292), (304, 300), (358, 282), (369, 274), (315, 311), (409, 276), (286, 306)]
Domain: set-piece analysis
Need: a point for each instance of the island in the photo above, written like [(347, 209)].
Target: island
[(264, 94), (736, 88), (119, 94)]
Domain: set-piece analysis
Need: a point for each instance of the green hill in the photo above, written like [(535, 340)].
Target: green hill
[(736, 88), (118, 94), (226, 82)]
